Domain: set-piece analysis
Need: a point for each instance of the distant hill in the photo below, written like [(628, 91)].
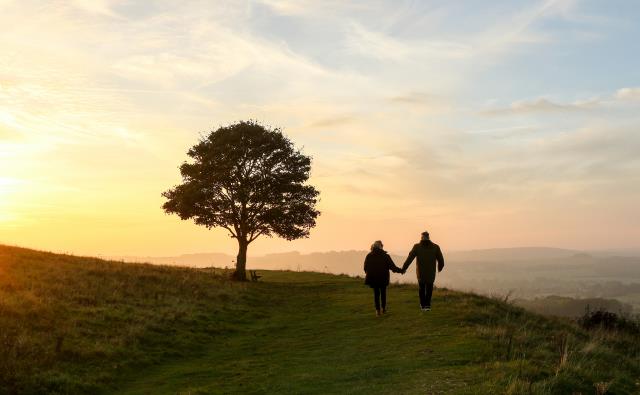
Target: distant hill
[(349, 261), (510, 254), (81, 325)]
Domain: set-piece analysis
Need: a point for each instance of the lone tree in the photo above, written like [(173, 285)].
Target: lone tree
[(250, 180)]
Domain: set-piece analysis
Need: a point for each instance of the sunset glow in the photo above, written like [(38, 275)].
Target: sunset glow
[(514, 124)]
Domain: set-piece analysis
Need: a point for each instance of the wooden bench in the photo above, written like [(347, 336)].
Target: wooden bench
[(254, 275)]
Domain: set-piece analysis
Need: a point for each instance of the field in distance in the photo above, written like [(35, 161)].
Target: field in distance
[(84, 325)]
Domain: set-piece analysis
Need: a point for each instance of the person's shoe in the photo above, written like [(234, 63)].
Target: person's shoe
[(428, 308), (377, 313), (423, 308), (384, 311)]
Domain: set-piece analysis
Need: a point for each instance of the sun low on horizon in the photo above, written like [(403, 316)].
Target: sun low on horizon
[(489, 124)]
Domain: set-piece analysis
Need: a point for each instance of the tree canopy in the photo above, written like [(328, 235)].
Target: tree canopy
[(250, 180)]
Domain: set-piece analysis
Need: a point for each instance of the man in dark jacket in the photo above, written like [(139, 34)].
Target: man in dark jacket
[(376, 267), (427, 254)]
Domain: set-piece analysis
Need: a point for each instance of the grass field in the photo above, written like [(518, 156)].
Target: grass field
[(83, 325)]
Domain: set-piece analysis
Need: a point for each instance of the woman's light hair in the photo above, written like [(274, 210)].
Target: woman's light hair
[(376, 244)]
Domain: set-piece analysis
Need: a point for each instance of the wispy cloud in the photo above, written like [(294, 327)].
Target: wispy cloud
[(413, 98), (330, 122), (7, 134), (542, 105), (311, 7), (101, 7), (519, 29), (628, 94), (375, 44)]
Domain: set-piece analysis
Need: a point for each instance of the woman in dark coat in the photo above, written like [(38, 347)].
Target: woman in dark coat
[(376, 266)]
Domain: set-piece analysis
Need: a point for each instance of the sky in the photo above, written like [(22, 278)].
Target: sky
[(490, 124)]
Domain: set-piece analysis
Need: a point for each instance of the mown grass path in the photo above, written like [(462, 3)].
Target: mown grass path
[(319, 334)]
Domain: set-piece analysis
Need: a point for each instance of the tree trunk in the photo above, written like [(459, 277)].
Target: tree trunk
[(241, 262)]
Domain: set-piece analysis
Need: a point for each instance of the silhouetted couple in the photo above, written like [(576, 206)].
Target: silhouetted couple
[(378, 263)]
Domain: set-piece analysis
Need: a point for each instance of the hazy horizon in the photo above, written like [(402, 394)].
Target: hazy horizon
[(502, 124), (630, 250), (625, 251)]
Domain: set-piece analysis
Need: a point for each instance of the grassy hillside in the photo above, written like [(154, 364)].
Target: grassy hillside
[(83, 325)]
